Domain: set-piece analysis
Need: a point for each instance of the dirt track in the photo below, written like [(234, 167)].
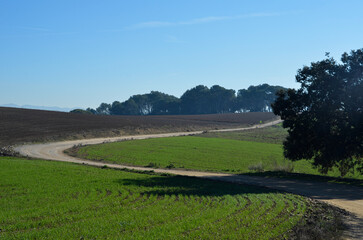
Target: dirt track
[(347, 197)]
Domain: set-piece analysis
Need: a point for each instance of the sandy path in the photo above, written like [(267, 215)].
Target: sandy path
[(347, 197)]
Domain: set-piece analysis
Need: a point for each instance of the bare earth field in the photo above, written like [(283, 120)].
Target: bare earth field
[(25, 125)]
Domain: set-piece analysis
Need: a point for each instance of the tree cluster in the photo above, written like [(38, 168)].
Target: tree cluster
[(197, 100), (324, 117)]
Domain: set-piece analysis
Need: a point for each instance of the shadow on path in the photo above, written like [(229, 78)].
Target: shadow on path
[(317, 190), (307, 177)]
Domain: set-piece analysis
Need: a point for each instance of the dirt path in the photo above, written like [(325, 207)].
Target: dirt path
[(347, 197)]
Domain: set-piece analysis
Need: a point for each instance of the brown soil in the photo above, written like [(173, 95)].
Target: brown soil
[(25, 125)]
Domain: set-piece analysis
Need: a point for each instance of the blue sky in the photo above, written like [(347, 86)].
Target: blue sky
[(81, 53)]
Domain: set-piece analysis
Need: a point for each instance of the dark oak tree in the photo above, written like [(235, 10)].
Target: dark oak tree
[(324, 116)]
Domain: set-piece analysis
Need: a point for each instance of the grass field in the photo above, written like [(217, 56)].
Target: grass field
[(274, 134), (189, 152), (53, 200), (198, 153)]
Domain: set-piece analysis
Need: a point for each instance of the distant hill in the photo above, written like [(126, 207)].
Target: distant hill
[(58, 109)]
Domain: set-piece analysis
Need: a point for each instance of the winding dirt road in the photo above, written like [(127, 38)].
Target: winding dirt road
[(346, 197)]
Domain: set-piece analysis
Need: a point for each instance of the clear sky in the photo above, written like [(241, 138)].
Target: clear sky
[(74, 53)]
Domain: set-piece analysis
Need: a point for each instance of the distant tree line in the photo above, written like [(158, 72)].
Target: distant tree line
[(198, 100)]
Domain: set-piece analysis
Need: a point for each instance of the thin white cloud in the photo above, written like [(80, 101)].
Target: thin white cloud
[(157, 24)]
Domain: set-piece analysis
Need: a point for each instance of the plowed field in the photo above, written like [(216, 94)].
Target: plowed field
[(24, 125)]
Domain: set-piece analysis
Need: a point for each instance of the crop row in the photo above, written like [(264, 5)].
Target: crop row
[(50, 200)]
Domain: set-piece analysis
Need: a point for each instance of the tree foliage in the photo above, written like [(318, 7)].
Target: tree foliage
[(146, 104), (103, 109), (202, 100), (197, 100), (80, 111), (256, 98), (324, 116)]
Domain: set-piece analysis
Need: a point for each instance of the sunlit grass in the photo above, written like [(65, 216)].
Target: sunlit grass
[(274, 134), (188, 152), (53, 200), (198, 153)]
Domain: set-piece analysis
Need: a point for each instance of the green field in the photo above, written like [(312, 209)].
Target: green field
[(198, 153), (302, 169), (54, 200), (274, 134), (189, 152)]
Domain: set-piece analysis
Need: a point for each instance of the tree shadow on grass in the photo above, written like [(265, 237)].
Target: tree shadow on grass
[(321, 190), (307, 177), (190, 186)]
